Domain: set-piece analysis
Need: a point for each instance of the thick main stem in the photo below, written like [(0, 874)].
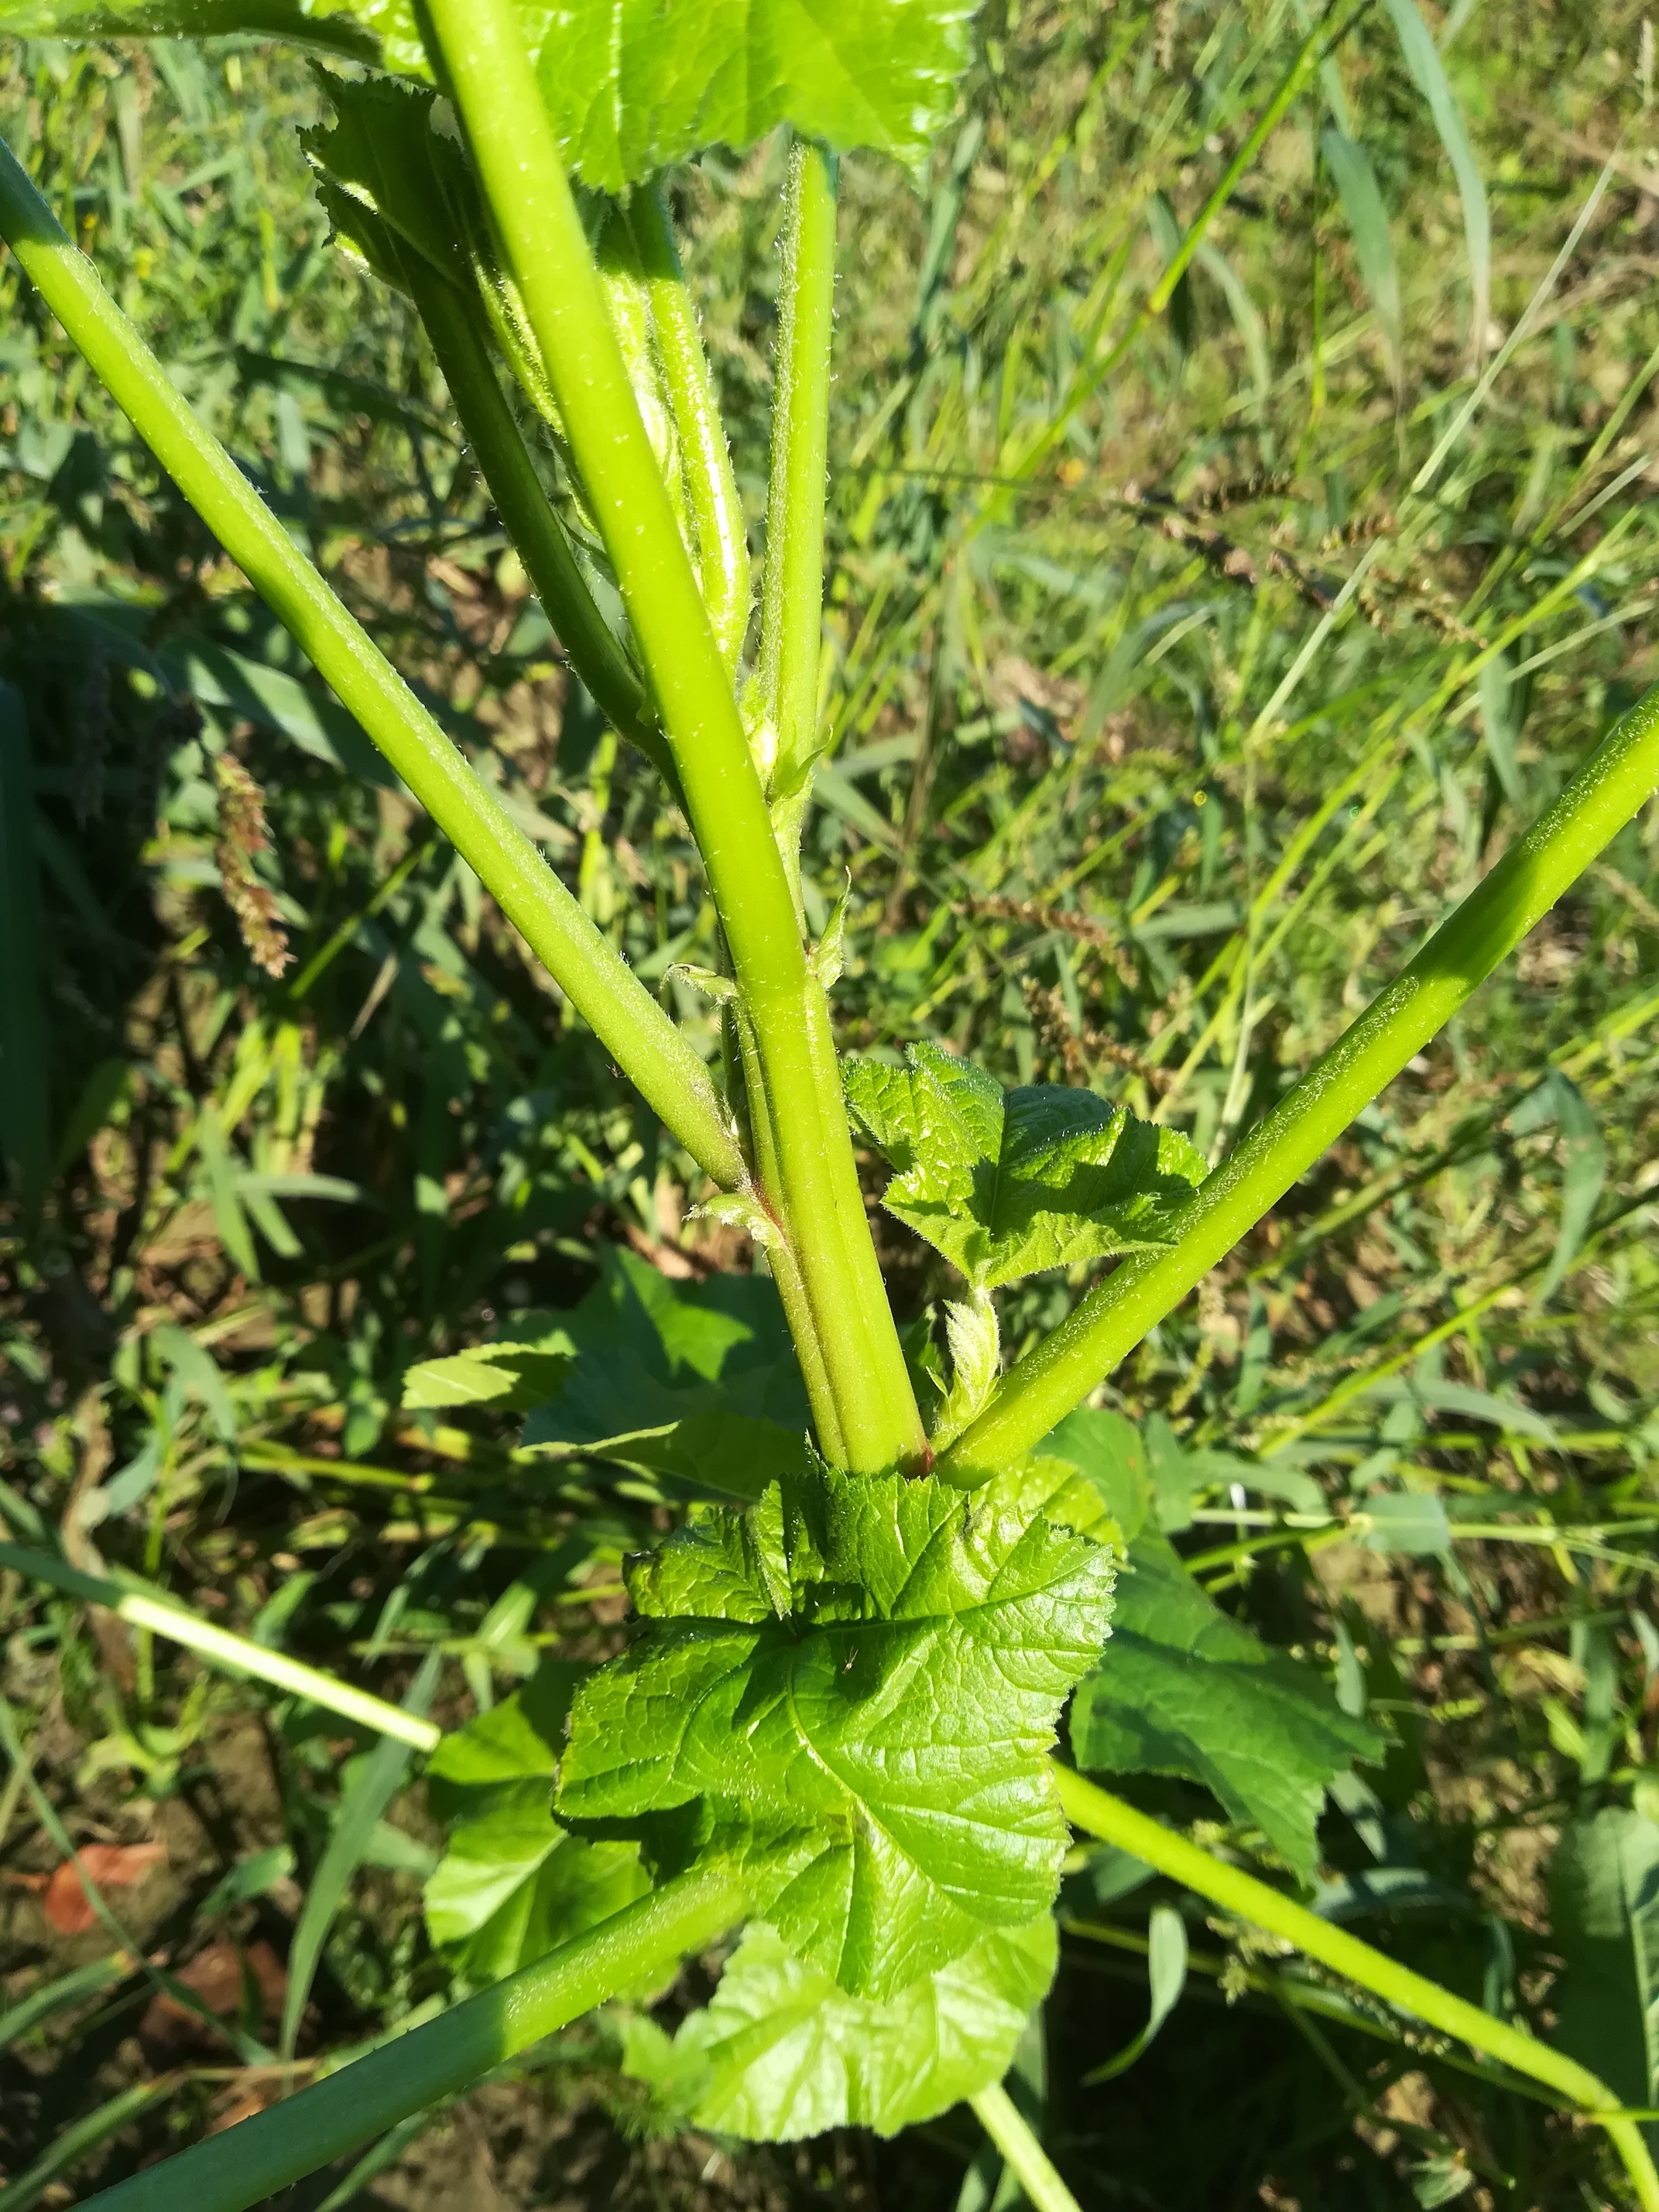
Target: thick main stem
[(627, 1019), (1608, 790), (480, 48), (252, 2161), (1097, 1813)]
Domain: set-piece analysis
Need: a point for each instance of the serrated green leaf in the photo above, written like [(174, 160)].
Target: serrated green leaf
[(631, 86), (1007, 1183), (781, 2053), (1604, 1913), (703, 1372), (867, 1673), (1183, 1690), (512, 1882)]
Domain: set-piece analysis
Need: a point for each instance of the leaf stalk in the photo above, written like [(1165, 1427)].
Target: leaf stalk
[(1608, 790), (1099, 1813), (644, 1044)]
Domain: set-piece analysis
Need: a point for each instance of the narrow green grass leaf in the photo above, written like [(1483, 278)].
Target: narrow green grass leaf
[(1604, 1913), (1166, 1975), (378, 1781), (1423, 59), (81, 2138), (1356, 187), (20, 2018)]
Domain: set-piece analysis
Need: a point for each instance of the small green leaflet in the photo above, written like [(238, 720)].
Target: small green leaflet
[(1005, 1183), (512, 1883), (781, 2052), (632, 86), (858, 1680), (1604, 1914), (704, 1374)]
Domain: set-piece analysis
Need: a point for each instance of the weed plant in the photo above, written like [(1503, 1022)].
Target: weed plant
[(1235, 542)]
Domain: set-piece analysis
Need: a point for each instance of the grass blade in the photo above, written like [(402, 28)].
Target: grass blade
[(1423, 60), (1368, 226), (364, 1805)]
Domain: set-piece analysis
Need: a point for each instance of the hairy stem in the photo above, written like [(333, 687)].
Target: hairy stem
[(252, 2161), (222, 1647), (997, 2114), (1097, 1813), (1608, 790), (711, 485), (621, 1012), (792, 603), (450, 320), (479, 47)]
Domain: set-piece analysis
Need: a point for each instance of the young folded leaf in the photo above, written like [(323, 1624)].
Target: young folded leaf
[(512, 1883), (859, 1678), (781, 2052), (1184, 1690), (1005, 1183)]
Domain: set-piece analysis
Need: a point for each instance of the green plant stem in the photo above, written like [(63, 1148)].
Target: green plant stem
[(252, 2161), (451, 322), (710, 481), (1608, 790), (997, 2114), (1097, 1813), (622, 1014), (791, 1291), (792, 601), (480, 49), (222, 1648)]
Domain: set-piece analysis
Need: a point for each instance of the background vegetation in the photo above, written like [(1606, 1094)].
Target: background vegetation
[(1178, 686)]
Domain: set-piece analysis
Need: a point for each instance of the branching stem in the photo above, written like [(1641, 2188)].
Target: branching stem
[(479, 47), (1097, 1813), (1608, 790), (627, 1019)]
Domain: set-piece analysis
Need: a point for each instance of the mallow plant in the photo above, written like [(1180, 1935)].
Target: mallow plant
[(828, 1753)]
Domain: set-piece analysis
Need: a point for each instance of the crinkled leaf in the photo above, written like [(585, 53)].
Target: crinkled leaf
[(513, 1882), (1184, 1690), (1005, 1183), (1604, 1912), (633, 85), (781, 2052), (865, 1674)]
